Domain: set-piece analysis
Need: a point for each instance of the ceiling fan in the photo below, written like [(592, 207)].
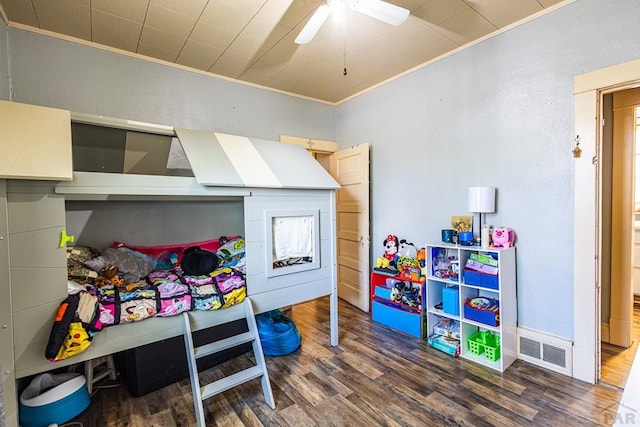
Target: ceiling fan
[(378, 9)]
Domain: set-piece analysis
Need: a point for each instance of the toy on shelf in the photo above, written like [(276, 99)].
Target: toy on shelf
[(445, 267), (446, 344), (407, 256), (411, 273), (407, 250), (446, 327), (422, 261), (406, 293), (400, 259), (503, 237), (388, 261)]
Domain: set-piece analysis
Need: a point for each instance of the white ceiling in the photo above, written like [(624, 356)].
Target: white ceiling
[(252, 40)]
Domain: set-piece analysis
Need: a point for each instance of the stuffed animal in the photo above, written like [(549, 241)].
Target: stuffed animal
[(406, 249), (390, 253), (503, 236)]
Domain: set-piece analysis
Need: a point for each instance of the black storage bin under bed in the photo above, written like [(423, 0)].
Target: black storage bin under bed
[(150, 367)]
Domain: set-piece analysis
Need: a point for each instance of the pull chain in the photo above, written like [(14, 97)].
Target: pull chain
[(344, 45)]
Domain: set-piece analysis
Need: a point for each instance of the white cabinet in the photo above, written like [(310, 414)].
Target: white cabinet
[(450, 286), (36, 142)]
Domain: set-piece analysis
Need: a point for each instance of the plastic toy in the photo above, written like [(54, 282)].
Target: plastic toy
[(503, 236)]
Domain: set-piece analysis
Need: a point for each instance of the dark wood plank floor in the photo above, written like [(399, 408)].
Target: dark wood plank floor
[(375, 377), (616, 361)]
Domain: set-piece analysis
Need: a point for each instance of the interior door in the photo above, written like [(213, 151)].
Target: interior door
[(622, 216), (350, 167)]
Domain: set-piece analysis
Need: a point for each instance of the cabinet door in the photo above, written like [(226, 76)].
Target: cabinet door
[(36, 142)]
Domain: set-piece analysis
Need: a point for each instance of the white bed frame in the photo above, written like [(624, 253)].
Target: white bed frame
[(34, 213)]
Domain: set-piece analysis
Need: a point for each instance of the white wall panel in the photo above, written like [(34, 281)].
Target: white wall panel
[(256, 234)]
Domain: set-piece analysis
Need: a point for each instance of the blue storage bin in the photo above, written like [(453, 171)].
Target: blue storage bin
[(482, 280), (491, 318), (382, 291), (450, 300), (395, 317)]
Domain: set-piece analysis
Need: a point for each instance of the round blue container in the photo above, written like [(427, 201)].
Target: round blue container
[(53, 399), (466, 238)]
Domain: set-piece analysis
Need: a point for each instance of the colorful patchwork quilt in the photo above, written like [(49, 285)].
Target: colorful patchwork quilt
[(125, 284)]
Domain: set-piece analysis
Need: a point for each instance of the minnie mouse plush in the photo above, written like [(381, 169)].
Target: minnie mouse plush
[(388, 261)]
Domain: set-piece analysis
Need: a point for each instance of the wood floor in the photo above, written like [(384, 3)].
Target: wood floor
[(375, 377), (616, 361)]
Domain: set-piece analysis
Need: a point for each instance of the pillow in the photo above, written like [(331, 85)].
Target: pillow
[(231, 252), (133, 267), (162, 251), (76, 258)]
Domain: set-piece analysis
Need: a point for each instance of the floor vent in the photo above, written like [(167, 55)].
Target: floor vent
[(530, 347), (545, 350)]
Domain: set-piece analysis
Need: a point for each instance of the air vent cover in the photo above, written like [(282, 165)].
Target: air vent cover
[(546, 350), (553, 355), (530, 347)]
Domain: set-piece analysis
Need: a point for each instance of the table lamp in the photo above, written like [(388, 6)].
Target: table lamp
[(481, 200)]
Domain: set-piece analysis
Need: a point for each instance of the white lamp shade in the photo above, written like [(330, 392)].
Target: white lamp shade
[(482, 199)]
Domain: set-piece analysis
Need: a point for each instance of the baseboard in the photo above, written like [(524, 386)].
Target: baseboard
[(545, 350)]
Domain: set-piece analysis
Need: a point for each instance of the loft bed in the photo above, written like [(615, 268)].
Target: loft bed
[(223, 185)]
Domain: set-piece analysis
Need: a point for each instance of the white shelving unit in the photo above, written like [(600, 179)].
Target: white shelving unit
[(505, 294)]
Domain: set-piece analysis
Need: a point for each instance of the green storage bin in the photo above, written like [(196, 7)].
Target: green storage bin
[(485, 342)]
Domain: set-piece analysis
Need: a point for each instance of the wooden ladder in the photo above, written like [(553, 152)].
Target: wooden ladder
[(201, 393)]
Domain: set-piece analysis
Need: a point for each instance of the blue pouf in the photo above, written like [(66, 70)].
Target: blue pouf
[(279, 335), (53, 399)]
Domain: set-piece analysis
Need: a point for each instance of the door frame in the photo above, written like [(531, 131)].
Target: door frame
[(589, 89)]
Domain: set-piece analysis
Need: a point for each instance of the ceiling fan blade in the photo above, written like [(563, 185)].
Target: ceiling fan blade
[(385, 12), (312, 27)]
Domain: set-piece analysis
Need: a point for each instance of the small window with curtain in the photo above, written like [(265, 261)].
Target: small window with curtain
[(293, 241)]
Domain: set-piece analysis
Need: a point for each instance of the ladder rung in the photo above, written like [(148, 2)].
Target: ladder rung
[(231, 381), (224, 344)]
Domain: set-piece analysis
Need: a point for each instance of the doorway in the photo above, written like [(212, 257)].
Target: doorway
[(620, 330), (350, 168), (589, 89)]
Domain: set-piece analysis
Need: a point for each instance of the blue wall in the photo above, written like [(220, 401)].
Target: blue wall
[(53, 72), (499, 113)]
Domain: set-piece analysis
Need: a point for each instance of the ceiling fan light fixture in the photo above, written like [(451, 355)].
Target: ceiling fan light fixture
[(378, 9), (386, 12), (313, 25), (337, 10)]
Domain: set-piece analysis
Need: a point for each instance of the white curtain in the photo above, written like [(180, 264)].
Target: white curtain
[(292, 237)]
